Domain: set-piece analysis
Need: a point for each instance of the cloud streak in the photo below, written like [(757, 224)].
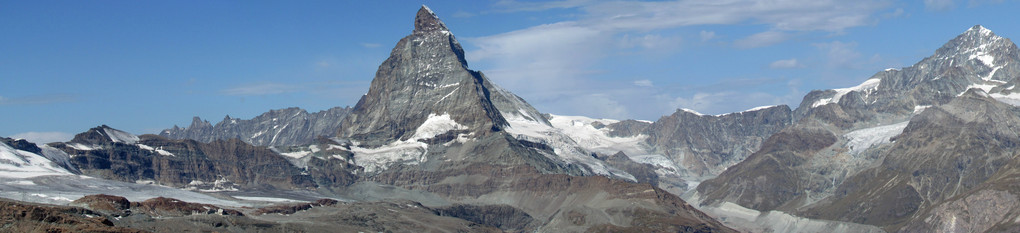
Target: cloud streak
[(540, 62), (786, 64), (762, 39), (44, 137)]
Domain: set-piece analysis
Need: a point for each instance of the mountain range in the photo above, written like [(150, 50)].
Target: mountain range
[(436, 146)]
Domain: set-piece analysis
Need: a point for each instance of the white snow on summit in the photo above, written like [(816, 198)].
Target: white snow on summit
[(121, 136)]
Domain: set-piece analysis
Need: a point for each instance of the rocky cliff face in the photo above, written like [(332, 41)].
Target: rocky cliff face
[(884, 152), (220, 165), (283, 127), (705, 145)]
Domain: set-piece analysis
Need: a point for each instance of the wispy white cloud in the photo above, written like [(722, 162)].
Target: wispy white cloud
[(516, 6), (654, 42), (840, 54), (786, 64), (724, 101), (762, 39), (794, 15), (541, 62), (531, 60), (261, 89), (44, 137), (643, 83), (707, 35), (939, 5)]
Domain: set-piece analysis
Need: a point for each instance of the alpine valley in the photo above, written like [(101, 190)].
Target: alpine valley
[(437, 147)]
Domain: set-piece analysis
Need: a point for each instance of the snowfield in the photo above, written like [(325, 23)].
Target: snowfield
[(409, 151), (574, 138), (16, 163), (862, 139)]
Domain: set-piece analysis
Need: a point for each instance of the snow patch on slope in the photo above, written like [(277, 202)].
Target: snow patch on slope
[(435, 125), (862, 139), (1011, 98), (16, 163), (410, 151), (157, 150)]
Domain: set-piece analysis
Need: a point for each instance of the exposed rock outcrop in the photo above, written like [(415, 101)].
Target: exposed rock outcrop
[(29, 217)]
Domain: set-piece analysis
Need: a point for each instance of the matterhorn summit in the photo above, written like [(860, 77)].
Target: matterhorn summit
[(427, 75)]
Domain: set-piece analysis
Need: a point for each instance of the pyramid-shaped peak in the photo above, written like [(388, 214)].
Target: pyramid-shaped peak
[(428, 21), (976, 39), (978, 30)]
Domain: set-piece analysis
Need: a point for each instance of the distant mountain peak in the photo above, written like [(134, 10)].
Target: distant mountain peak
[(103, 134), (976, 42), (979, 30), (428, 21)]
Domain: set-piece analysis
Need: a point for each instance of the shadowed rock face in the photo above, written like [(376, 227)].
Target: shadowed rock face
[(283, 127), (232, 164)]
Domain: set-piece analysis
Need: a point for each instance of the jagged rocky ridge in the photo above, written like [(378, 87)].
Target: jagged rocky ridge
[(857, 154), (706, 145), (283, 127)]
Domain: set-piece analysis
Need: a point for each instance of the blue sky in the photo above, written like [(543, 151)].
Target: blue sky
[(142, 66)]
